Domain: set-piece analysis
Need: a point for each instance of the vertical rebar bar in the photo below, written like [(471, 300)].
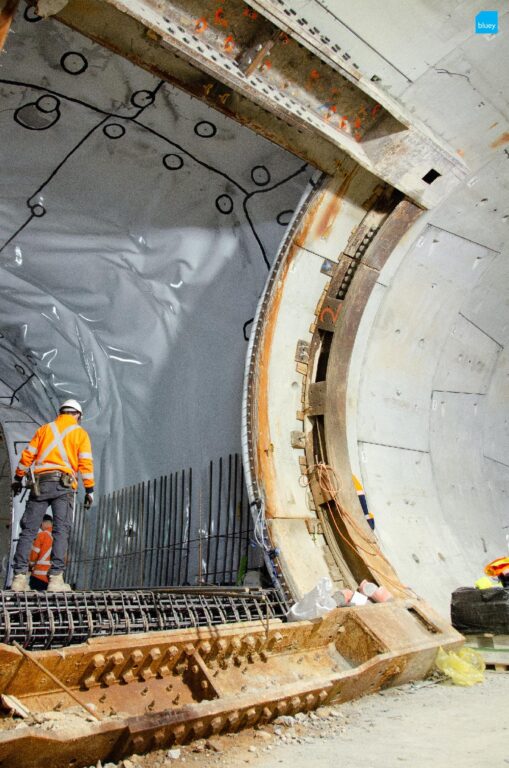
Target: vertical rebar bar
[(160, 531), (227, 543), (173, 527), (182, 512), (189, 526), (218, 521), (234, 564), (209, 521)]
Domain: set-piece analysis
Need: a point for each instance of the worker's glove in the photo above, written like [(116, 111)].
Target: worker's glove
[(89, 500), (16, 487)]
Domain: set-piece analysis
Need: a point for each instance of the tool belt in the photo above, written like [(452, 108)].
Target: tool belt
[(34, 481)]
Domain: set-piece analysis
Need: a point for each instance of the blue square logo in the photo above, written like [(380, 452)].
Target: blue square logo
[(486, 23)]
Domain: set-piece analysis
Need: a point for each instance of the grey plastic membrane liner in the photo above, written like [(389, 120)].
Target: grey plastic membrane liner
[(137, 227)]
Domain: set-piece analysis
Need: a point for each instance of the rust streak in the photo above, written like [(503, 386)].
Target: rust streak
[(264, 445), (503, 139), (7, 12), (332, 210)]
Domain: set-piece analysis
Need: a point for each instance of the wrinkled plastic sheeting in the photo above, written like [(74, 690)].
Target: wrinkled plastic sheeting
[(15, 430), (464, 667), (316, 603), (137, 227)]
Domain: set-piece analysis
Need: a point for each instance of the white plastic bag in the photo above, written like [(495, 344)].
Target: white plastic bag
[(318, 602)]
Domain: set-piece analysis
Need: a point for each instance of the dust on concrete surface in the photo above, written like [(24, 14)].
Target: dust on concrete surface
[(420, 725)]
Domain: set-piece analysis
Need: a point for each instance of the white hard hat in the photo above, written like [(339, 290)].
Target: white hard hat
[(71, 405)]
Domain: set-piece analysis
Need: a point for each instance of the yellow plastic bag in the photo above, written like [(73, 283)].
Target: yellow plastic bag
[(464, 667)]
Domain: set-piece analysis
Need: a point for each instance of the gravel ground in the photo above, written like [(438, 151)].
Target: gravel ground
[(420, 725)]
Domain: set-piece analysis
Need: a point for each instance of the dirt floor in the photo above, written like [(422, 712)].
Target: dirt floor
[(420, 725)]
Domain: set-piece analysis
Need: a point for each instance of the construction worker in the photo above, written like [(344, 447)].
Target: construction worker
[(54, 456), (39, 561)]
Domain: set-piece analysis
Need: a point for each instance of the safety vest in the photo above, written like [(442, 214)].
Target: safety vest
[(62, 445), (40, 555)]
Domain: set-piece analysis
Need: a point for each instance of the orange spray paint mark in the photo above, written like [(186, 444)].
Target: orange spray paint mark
[(219, 18), (200, 25), (229, 44), (329, 311)]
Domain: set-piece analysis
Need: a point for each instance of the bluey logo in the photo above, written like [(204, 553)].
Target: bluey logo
[(486, 23)]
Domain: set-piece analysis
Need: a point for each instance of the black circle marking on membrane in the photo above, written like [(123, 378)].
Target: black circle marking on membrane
[(173, 162), (142, 98), (114, 130), (39, 115), (224, 204), (30, 14), (73, 62), (260, 175), (284, 218), (38, 210), (205, 129), (47, 104)]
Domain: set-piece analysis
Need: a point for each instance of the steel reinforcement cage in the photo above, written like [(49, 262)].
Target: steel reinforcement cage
[(185, 528)]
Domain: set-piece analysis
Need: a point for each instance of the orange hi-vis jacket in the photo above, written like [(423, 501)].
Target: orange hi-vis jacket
[(60, 446), (40, 555)]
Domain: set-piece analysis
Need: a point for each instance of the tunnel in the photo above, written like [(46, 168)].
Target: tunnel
[(264, 245)]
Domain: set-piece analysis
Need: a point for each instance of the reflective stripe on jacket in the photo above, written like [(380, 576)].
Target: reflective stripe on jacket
[(40, 555), (61, 446)]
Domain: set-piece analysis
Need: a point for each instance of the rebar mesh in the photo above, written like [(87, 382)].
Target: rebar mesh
[(40, 620)]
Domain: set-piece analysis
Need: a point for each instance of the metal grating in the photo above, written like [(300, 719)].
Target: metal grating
[(41, 620)]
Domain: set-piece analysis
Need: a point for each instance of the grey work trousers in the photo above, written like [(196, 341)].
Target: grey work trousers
[(61, 501)]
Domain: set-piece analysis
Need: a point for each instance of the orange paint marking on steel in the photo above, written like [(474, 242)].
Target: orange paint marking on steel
[(201, 25), (219, 18), (329, 311)]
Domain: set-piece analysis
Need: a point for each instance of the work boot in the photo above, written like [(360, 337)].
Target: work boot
[(20, 583), (57, 584)]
